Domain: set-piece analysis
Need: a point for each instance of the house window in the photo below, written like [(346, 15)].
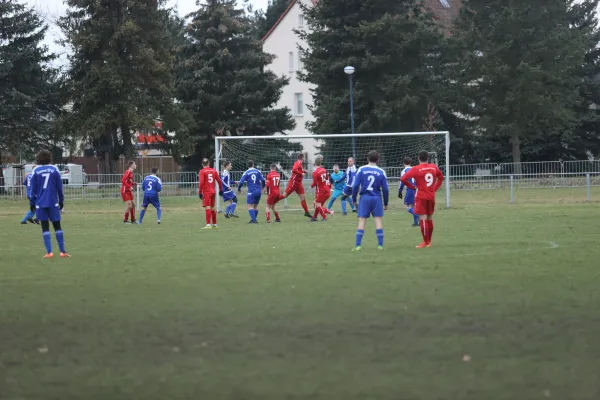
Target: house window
[(298, 104), (300, 21), (445, 3), (291, 61)]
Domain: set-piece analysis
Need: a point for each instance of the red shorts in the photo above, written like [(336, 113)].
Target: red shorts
[(322, 197), (272, 199), (209, 199), (297, 187), (127, 196), (424, 207)]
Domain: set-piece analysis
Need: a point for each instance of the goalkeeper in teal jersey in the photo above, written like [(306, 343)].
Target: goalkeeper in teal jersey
[(338, 181)]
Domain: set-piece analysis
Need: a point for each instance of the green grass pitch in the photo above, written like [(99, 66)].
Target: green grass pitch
[(504, 306)]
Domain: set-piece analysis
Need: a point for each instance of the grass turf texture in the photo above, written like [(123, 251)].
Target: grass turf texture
[(504, 306)]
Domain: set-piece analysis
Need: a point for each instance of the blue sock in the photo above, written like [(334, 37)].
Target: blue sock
[(351, 203), (27, 216), (142, 213), (60, 238), (228, 209), (359, 235), (344, 207), (47, 241), (331, 202), (415, 216), (379, 233), (255, 215), (158, 213), (231, 211), (251, 212)]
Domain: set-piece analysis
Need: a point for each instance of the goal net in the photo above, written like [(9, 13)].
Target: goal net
[(336, 149)]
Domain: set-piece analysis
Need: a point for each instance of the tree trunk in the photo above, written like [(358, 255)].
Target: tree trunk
[(516, 152), (128, 150), (1, 176)]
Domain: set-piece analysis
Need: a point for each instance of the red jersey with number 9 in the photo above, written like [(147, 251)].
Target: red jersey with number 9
[(208, 177), (428, 179), (321, 180), (273, 180)]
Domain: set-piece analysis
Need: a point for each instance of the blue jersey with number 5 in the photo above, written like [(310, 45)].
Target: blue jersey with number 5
[(254, 179), (152, 185), (371, 180), (46, 187)]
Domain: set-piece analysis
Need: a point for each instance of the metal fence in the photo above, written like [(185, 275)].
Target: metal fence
[(486, 176)]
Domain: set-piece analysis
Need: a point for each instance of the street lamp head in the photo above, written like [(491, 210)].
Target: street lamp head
[(349, 70)]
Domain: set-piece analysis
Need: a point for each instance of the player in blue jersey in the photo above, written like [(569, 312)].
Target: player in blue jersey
[(256, 182), (409, 198), (228, 193), (338, 181), (350, 175), (151, 186), (30, 216), (371, 183), (47, 201)]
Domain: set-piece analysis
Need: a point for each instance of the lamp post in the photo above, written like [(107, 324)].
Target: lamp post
[(350, 71)]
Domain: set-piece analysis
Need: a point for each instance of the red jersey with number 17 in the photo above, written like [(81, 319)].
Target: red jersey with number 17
[(208, 177), (428, 179), (321, 180), (273, 180)]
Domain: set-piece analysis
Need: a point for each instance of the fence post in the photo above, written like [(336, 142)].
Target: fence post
[(512, 189), (588, 183), (137, 197)]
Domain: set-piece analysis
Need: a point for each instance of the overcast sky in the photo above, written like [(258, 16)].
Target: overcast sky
[(52, 9)]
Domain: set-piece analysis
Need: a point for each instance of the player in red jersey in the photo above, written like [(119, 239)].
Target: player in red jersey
[(273, 193), (428, 179), (295, 184), (323, 185), (127, 184), (207, 192)]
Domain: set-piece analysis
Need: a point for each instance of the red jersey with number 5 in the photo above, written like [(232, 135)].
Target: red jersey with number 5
[(321, 180), (428, 179), (273, 180), (208, 177)]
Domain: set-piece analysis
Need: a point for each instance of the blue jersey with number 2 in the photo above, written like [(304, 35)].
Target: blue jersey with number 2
[(371, 181)]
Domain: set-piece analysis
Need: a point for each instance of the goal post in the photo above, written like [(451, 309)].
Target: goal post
[(283, 150)]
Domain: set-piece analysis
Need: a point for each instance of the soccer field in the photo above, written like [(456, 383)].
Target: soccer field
[(503, 306)]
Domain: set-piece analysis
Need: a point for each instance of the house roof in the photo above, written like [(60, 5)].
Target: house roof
[(442, 14)]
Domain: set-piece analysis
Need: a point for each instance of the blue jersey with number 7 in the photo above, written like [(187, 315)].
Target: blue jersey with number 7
[(254, 179), (46, 187), (371, 180)]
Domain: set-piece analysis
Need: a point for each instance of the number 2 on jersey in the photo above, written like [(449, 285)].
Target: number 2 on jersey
[(429, 179), (371, 180)]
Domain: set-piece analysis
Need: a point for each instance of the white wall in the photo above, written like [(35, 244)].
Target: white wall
[(280, 43)]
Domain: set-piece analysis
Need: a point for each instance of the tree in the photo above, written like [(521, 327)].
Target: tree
[(394, 47), (120, 72), (223, 81), (516, 73), (28, 83), (274, 11)]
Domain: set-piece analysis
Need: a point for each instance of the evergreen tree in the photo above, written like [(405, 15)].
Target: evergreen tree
[(516, 75), (223, 81), (274, 11), (394, 47), (28, 86), (120, 71)]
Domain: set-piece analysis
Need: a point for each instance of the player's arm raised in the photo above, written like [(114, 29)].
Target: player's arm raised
[(405, 179)]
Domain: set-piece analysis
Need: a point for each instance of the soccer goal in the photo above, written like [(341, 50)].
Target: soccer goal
[(336, 149)]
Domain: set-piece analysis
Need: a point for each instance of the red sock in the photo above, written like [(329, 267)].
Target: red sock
[(316, 214), (132, 214), (280, 197), (276, 215), (208, 216), (429, 230), (326, 211), (268, 216), (304, 206), (214, 216), (320, 210), (423, 223), (126, 215)]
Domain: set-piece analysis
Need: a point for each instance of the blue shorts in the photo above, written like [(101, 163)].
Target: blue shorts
[(253, 198), (228, 195), (370, 205), (151, 200), (409, 198), (47, 213)]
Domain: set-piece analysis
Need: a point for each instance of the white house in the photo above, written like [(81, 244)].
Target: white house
[(283, 42)]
